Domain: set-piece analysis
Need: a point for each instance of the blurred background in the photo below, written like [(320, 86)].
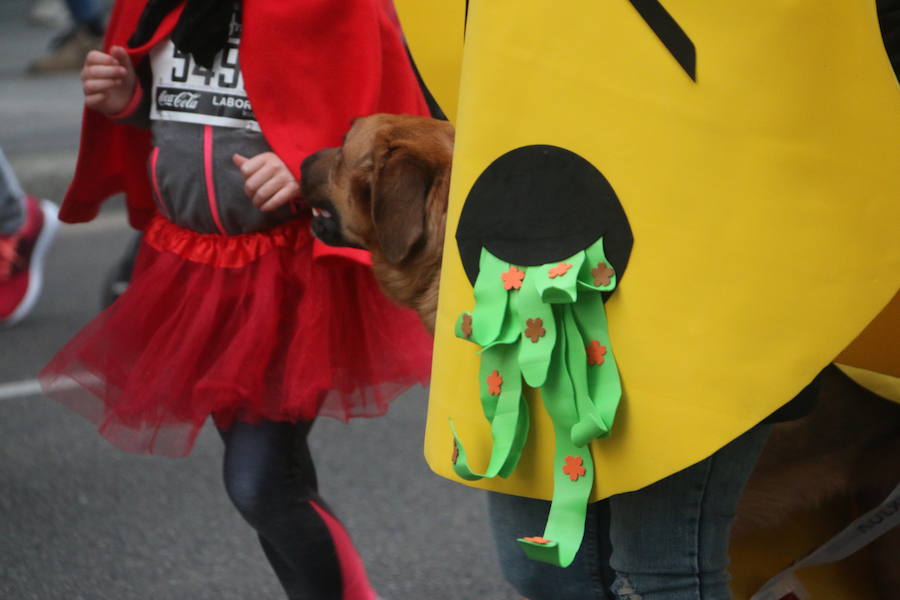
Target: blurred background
[(81, 520)]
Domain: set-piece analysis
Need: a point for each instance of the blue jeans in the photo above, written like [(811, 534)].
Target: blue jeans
[(667, 541), (83, 11)]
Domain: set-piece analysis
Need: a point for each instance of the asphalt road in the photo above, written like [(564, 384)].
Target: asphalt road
[(82, 520)]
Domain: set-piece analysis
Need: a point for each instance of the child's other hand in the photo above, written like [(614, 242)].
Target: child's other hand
[(267, 180), (108, 80)]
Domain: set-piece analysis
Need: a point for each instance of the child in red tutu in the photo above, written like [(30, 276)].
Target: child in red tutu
[(234, 310)]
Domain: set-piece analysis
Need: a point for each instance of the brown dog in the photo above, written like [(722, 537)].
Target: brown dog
[(845, 453), (386, 190)]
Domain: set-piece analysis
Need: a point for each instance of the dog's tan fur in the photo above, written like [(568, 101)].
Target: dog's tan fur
[(846, 451), (389, 183), (847, 448)]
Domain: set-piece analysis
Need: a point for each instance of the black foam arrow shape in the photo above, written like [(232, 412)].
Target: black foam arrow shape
[(669, 33)]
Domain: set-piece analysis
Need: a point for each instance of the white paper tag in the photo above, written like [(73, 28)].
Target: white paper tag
[(785, 588), (854, 536), (187, 92)]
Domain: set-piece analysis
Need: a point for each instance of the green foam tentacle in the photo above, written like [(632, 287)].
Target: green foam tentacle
[(565, 523), (604, 385), (544, 334), (490, 300), (561, 288), (534, 357), (510, 331), (506, 411), (594, 255)]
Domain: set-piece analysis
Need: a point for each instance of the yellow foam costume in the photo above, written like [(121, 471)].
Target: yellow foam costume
[(755, 156)]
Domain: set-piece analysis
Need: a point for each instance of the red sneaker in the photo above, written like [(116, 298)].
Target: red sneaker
[(22, 260)]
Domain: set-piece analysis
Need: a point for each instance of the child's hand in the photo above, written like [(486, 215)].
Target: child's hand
[(108, 80), (268, 181)]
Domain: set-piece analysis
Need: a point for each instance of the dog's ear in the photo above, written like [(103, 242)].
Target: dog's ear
[(399, 190)]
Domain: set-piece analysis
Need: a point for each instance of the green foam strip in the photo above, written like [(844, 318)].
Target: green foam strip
[(510, 331), (594, 255), (603, 382), (490, 300), (553, 335), (559, 289), (565, 524), (507, 413), (534, 357)]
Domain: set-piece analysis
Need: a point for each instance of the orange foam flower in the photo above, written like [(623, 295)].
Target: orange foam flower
[(602, 274), (537, 540), (574, 467), (596, 353), (559, 270), (466, 326), (535, 329), (512, 279), (494, 383)]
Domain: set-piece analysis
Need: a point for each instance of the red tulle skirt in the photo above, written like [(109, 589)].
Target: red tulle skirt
[(244, 327)]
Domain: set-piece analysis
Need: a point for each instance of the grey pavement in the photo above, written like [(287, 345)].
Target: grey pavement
[(80, 520)]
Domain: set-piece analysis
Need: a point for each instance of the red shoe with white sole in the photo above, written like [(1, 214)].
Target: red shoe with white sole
[(22, 260)]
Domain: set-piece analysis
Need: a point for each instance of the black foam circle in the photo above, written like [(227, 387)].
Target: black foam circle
[(541, 204)]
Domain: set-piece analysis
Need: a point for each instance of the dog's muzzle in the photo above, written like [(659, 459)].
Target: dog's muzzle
[(327, 227), (326, 223)]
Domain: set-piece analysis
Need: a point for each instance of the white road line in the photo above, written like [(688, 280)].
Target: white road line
[(29, 387), (18, 389)]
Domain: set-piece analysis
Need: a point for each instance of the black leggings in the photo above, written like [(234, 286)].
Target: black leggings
[(270, 478)]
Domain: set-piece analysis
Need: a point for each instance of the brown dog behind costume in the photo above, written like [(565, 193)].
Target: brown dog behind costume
[(386, 190)]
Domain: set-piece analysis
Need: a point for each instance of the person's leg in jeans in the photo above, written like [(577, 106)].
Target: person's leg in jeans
[(587, 578), (667, 541), (12, 199), (670, 539), (270, 478), (87, 12)]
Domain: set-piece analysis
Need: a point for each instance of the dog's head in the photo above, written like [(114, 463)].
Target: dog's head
[(384, 188)]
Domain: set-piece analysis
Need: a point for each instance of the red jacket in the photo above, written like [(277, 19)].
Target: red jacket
[(309, 66)]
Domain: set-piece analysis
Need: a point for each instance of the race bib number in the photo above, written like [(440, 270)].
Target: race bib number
[(188, 92)]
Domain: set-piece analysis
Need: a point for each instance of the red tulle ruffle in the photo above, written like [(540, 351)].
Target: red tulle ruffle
[(216, 250), (247, 327)]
